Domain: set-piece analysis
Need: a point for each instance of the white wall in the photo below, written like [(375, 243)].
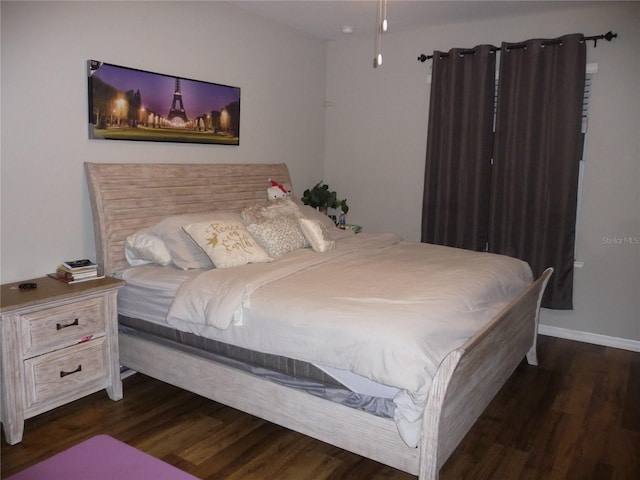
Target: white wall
[(376, 125), (46, 216)]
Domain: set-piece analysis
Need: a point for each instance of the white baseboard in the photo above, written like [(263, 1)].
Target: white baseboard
[(597, 339)]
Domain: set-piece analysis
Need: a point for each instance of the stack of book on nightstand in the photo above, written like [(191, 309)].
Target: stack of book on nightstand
[(74, 271)]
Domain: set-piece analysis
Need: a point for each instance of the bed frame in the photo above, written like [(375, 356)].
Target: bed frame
[(128, 197)]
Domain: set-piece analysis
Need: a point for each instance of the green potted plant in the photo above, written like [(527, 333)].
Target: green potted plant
[(322, 198)]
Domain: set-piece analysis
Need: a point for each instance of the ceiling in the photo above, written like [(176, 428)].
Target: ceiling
[(325, 18)]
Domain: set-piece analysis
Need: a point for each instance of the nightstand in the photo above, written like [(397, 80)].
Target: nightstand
[(59, 343)]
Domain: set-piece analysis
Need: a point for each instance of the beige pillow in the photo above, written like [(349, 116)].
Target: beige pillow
[(185, 253), (313, 214), (273, 209), (226, 242), (278, 236), (317, 235)]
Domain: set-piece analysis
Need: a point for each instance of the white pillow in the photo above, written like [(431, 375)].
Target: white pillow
[(317, 235), (185, 253), (278, 236), (226, 242), (143, 247), (313, 214)]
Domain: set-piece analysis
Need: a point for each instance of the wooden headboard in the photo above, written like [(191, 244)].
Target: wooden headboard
[(127, 197)]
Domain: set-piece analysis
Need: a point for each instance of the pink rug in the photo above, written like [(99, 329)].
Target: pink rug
[(102, 458)]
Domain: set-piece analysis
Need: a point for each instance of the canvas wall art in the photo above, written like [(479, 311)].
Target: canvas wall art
[(130, 104)]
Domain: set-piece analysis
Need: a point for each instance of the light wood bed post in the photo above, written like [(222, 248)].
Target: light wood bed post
[(500, 346), (128, 197)]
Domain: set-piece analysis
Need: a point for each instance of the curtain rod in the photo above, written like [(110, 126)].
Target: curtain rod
[(605, 36)]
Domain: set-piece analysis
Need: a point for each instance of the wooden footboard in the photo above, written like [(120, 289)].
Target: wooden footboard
[(470, 376)]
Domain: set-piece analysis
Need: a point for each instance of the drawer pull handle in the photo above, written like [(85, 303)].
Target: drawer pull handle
[(64, 374), (60, 326)]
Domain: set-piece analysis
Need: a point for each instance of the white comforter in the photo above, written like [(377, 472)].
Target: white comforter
[(383, 308)]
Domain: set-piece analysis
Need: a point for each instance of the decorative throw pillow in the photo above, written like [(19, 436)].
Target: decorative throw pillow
[(278, 236), (143, 247), (274, 209), (226, 243), (185, 253), (313, 214), (317, 235)]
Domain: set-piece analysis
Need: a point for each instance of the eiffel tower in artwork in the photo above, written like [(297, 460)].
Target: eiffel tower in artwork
[(177, 107)]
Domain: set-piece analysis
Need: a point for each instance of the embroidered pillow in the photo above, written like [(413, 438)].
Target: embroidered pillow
[(274, 209), (226, 243), (185, 253), (278, 236), (317, 235)]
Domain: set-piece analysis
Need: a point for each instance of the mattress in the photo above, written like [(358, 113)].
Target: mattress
[(142, 309)]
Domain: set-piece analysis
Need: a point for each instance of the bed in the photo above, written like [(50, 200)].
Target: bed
[(126, 198)]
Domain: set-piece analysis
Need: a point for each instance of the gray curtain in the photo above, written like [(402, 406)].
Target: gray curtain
[(459, 147), (536, 158)]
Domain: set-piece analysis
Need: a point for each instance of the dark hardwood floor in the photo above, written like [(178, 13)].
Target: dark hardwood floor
[(575, 416)]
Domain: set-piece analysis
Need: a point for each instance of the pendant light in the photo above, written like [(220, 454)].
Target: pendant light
[(381, 27)]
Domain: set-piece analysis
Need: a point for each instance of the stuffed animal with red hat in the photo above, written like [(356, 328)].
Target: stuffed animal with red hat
[(277, 190)]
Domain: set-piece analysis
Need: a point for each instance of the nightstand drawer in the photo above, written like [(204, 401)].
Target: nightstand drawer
[(66, 373), (53, 328)]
